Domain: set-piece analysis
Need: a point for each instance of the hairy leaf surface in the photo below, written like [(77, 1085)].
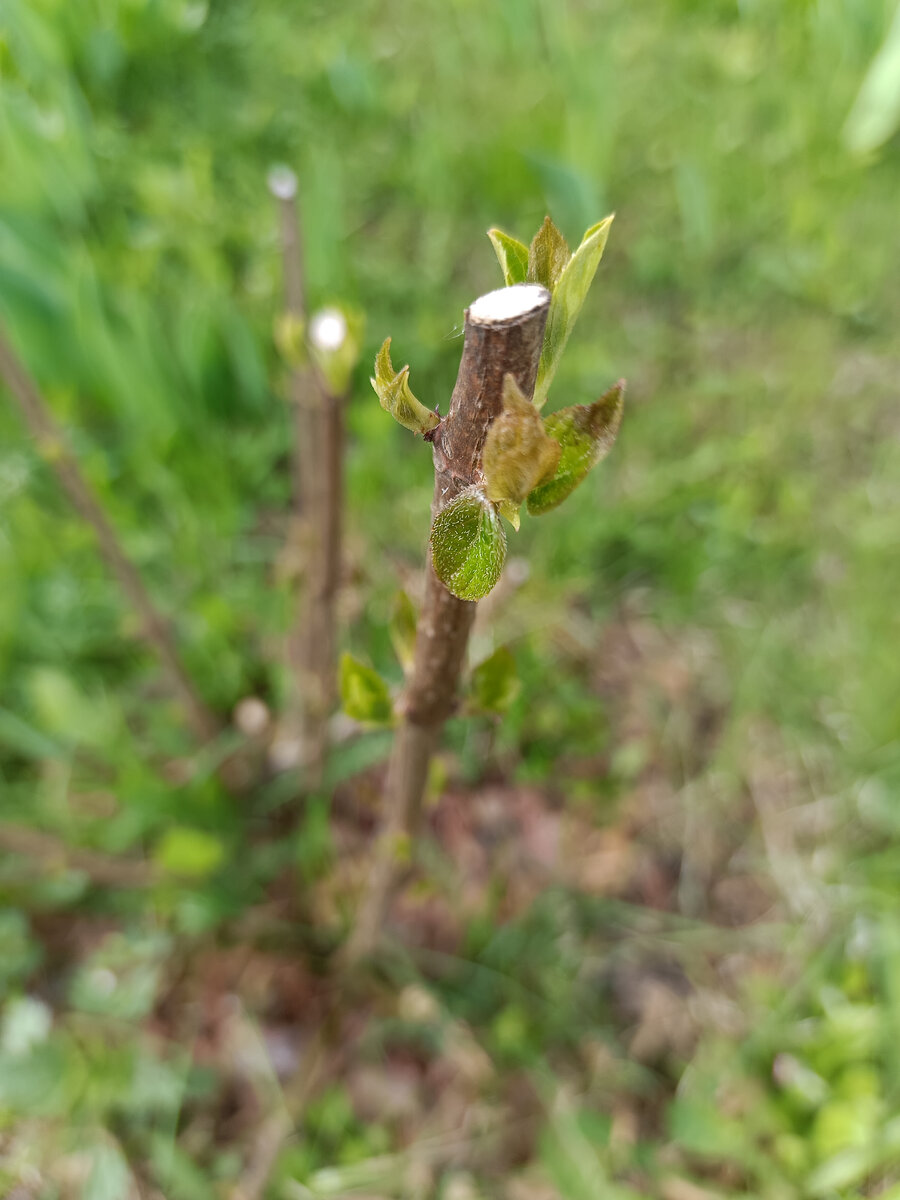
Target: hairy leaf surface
[(468, 545), (585, 433)]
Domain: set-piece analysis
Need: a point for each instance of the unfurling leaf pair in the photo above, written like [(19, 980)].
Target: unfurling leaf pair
[(366, 697), (394, 395), (524, 458), (566, 276)]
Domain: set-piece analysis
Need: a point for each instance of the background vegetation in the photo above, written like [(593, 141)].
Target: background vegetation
[(656, 950)]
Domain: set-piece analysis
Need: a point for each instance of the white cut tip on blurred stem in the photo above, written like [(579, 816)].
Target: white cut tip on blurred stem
[(282, 182), (251, 716), (508, 303), (328, 329), (285, 754)]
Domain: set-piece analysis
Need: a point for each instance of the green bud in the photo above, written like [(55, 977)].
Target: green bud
[(495, 684), (517, 454), (364, 694), (468, 545), (403, 629), (512, 256), (395, 397), (548, 256), (585, 434)]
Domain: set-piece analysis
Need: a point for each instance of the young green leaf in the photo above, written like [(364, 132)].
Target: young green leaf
[(495, 684), (395, 397), (468, 545), (547, 256), (187, 851), (512, 256), (569, 290), (517, 454), (510, 510), (403, 629), (585, 433), (364, 694)]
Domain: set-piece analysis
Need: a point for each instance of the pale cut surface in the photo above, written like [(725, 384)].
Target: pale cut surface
[(327, 329), (506, 304), (282, 182)]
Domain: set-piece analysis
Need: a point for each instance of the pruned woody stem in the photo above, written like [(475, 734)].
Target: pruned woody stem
[(503, 338)]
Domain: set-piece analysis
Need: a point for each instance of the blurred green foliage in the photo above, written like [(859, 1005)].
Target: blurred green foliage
[(749, 296)]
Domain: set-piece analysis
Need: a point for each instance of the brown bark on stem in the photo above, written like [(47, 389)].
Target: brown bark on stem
[(53, 447), (318, 495), (319, 635), (493, 347)]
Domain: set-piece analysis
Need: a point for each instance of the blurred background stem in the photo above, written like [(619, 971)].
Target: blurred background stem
[(317, 495)]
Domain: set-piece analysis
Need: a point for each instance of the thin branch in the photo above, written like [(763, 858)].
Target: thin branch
[(52, 445), (494, 347), (102, 869)]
